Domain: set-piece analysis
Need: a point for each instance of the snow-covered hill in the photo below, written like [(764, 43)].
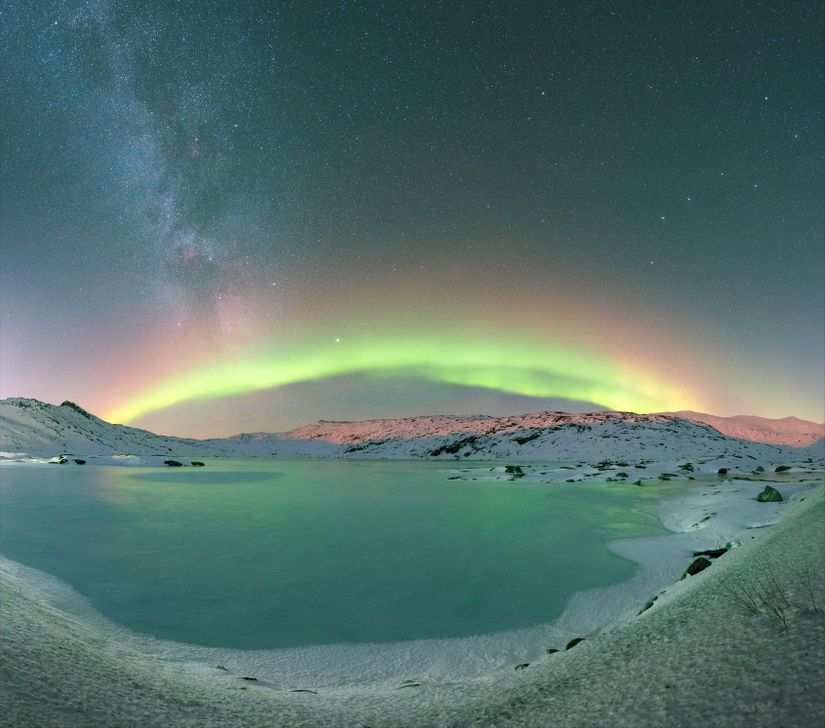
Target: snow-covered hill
[(40, 429), (265, 444), (37, 428), (786, 431), (538, 436)]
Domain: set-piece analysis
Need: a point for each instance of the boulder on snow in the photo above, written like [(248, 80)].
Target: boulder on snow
[(572, 643), (80, 461), (172, 463), (698, 565), (197, 463), (722, 471), (782, 468), (769, 495)]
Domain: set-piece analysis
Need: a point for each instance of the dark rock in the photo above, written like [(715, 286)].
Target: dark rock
[(221, 667), (621, 475), (454, 447), (524, 439), (250, 679), (649, 604), (782, 468), (172, 463), (454, 477), (513, 469), (307, 690), (722, 471), (637, 482), (759, 469), (572, 643), (197, 463), (77, 408), (698, 565), (551, 650), (363, 446), (711, 553), (769, 495), (79, 461), (522, 666)]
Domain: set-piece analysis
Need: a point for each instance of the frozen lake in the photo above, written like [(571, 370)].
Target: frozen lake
[(259, 554)]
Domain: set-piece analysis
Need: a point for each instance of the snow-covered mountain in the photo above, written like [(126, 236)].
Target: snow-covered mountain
[(537, 436), (32, 427), (786, 431), (40, 429), (37, 428)]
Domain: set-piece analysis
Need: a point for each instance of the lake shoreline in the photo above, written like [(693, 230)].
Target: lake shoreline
[(73, 636)]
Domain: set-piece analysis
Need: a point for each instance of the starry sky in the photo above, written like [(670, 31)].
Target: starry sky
[(220, 217)]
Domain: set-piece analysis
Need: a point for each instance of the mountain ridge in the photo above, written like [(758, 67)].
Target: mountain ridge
[(33, 427), (791, 431)]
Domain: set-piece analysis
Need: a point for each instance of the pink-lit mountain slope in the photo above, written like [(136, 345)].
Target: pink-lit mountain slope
[(786, 431), (535, 436)]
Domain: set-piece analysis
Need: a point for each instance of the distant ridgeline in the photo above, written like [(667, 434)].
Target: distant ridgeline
[(37, 428)]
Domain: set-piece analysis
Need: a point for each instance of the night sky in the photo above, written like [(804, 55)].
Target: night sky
[(223, 216)]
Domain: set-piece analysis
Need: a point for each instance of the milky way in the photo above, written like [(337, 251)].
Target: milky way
[(609, 206)]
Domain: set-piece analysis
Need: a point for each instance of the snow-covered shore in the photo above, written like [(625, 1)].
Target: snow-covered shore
[(694, 652)]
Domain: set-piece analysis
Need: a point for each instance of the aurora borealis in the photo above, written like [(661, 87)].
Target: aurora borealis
[(219, 216)]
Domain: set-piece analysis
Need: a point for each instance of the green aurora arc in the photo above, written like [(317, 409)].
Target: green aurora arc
[(506, 364)]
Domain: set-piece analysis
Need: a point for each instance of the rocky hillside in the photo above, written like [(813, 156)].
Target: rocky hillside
[(538, 436)]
